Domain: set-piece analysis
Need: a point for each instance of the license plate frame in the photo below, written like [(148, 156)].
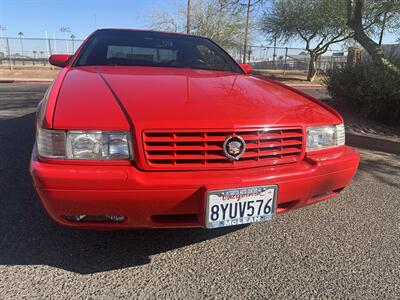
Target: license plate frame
[(248, 192)]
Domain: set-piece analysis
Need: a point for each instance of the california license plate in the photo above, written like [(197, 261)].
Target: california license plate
[(240, 206)]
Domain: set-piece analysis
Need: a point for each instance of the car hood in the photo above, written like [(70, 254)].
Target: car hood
[(180, 98)]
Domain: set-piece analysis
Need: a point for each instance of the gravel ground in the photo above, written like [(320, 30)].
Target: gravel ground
[(362, 125), (346, 247)]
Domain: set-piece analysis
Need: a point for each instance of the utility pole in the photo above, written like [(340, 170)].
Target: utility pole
[(188, 20), (246, 31)]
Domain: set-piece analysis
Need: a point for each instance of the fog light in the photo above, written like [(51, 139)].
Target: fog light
[(94, 218)]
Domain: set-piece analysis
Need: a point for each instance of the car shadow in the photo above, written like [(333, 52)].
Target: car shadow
[(383, 167), (29, 237)]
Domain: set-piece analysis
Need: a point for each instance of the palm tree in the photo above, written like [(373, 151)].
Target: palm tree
[(41, 55), (34, 56), (21, 34)]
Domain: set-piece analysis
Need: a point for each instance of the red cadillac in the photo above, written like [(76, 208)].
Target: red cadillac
[(146, 129)]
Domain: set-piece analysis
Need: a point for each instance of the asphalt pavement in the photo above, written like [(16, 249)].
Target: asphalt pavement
[(346, 247)]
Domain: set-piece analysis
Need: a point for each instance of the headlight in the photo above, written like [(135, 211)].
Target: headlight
[(50, 143), (85, 145), (322, 137)]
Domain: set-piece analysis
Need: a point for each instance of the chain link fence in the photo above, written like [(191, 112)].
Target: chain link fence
[(34, 53), (285, 59)]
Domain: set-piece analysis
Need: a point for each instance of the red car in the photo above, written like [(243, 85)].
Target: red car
[(146, 129)]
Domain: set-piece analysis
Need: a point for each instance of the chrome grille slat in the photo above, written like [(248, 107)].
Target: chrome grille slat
[(203, 149)]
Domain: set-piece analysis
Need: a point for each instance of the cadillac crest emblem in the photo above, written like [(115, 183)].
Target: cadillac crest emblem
[(234, 147)]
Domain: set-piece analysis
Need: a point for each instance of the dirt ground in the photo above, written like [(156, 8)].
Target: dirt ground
[(289, 77), (39, 73)]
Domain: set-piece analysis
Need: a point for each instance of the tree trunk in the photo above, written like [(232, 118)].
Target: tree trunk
[(382, 28), (374, 50), (312, 67), (354, 20)]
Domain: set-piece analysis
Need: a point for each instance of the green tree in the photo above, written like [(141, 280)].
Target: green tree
[(318, 23), (219, 20)]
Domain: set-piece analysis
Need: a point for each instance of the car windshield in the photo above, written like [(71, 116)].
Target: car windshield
[(154, 49)]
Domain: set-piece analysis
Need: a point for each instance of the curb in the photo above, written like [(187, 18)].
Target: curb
[(26, 80), (305, 85), (373, 143)]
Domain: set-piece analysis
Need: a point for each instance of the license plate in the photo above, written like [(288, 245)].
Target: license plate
[(240, 206)]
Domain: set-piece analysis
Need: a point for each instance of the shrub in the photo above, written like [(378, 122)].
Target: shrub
[(368, 89)]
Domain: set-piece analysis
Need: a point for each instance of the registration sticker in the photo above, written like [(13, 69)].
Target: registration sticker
[(240, 206)]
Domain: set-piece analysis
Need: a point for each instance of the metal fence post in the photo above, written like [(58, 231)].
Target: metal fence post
[(9, 53), (50, 53), (284, 65), (274, 56), (49, 45)]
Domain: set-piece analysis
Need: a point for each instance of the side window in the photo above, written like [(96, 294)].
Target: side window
[(167, 55), (210, 57)]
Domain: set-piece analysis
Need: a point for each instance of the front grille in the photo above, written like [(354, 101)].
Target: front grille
[(194, 149)]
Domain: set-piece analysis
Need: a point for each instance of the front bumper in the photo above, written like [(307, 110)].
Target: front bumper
[(177, 199)]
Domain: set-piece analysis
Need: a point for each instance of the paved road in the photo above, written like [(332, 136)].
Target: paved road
[(346, 247)]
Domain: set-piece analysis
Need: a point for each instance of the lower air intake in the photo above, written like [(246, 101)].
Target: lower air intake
[(95, 218)]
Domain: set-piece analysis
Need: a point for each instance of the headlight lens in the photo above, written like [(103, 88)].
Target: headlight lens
[(84, 145), (322, 137), (50, 143), (97, 145)]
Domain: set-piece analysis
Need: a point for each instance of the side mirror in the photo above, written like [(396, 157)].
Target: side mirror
[(246, 68), (59, 60)]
